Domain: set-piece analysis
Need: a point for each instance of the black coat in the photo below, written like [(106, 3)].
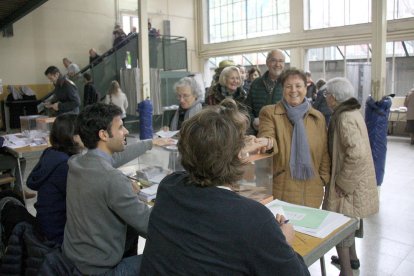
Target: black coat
[(25, 251)]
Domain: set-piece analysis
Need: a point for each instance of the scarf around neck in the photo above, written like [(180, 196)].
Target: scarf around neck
[(300, 163)]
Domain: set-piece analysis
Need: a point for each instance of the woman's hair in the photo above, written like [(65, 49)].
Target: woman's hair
[(292, 72), (340, 88), (61, 135), (114, 88), (210, 143), (252, 70), (320, 83), (192, 83), (226, 73)]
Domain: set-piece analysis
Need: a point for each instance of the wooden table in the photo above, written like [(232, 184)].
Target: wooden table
[(312, 248), (19, 153)]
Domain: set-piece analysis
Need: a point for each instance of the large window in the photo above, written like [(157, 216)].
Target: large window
[(334, 13), (240, 19), (397, 9)]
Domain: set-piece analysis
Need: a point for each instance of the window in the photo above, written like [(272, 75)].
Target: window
[(128, 22), (397, 9), (240, 19), (334, 13)]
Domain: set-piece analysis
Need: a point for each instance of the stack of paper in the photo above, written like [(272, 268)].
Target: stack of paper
[(311, 221), (148, 194)]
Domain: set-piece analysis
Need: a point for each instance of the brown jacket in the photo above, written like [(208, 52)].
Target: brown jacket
[(275, 124), (352, 168)]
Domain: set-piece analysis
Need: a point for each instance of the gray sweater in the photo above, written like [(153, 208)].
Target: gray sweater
[(100, 203)]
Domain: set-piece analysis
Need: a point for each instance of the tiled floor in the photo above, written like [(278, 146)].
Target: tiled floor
[(388, 246)]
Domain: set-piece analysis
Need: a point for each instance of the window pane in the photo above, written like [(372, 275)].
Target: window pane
[(397, 9), (251, 18), (333, 13)]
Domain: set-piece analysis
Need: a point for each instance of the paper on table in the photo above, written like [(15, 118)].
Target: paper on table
[(310, 221), (166, 134)]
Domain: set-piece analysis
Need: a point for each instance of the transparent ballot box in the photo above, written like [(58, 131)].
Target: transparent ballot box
[(257, 182), (28, 123), (151, 167)]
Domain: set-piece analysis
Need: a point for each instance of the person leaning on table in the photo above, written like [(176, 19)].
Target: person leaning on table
[(352, 190), (198, 225), (104, 215), (301, 164)]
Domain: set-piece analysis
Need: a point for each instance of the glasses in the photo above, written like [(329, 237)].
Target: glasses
[(326, 93), (274, 60), (184, 97)]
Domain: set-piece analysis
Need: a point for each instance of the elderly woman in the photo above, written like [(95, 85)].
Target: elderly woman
[(200, 219), (298, 133), (409, 103), (190, 96), (229, 86), (352, 189)]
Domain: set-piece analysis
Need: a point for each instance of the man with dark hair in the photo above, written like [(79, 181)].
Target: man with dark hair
[(266, 89), (65, 95), (101, 201)]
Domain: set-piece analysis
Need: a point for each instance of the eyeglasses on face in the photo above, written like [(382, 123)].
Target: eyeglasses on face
[(326, 93), (275, 60), (184, 96)]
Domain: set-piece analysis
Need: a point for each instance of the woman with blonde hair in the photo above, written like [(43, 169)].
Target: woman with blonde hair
[(116, 97)]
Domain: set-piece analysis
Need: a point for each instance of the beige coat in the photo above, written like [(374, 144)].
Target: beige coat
[(409, 103), (352, 168), (275, 124)]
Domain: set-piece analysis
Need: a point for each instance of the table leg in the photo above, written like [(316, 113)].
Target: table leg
[(21, 178), (323, 270)]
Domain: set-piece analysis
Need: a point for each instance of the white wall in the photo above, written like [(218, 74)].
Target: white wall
[(55, 30), (181, 14), (60, 29)]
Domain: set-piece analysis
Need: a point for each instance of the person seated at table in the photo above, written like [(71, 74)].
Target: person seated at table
[(49, 175), (104, 215), (190, 96), (198, 225)]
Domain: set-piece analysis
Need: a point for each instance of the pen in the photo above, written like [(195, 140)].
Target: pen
[(284, 222)]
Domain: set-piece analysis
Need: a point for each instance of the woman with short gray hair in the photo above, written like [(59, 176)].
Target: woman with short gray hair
[(352, 190), (190, 96)]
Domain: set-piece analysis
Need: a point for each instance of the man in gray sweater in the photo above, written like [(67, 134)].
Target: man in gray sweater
[(100, 199)]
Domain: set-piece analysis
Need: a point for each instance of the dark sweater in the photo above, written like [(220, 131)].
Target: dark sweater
[(259, 95), (213, 231), (48, 178)]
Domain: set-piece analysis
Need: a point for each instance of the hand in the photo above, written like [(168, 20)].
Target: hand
[(287, 228), (163, 141), (256, 123), (339, 191), (135, 186), (54, 106)]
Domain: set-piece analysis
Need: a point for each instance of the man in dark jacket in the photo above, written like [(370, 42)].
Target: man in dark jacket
[(267, 89), (66, 96)]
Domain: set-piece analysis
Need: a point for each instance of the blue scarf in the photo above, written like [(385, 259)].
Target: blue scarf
[(300, 163)]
